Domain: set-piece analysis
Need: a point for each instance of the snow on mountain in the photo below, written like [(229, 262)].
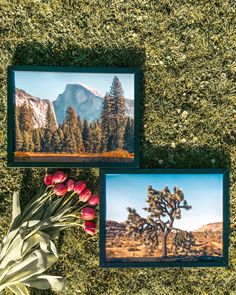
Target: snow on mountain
[(39, 107), (91, 89)]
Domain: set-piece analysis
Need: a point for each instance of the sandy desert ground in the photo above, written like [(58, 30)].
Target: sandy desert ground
[(208, 245)]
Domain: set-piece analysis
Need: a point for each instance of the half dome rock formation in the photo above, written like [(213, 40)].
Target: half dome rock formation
[(87, 104), (40, 107)]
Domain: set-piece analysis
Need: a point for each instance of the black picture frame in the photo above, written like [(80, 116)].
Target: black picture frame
[(100, 164), (118, 263)]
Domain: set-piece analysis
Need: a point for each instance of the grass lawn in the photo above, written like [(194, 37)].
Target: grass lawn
[(186, 50)]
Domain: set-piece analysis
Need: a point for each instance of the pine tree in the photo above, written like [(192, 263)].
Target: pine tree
[(61, 137), (80, 124), (96, 138), (50, 119), (46, 140), (26, 142), (129, 136), (19, 137), (71, 118), (86, 136), (25, 118), (60, 133), (24, 127), (69, 143), (107, 123), (36, 140), (56, 143), (71, 126), (113, 118), (79, 140), (41, 132), (119, 112), (31, 143), (50, 128)]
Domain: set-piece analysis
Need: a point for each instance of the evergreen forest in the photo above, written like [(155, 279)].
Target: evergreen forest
[(114, 131)]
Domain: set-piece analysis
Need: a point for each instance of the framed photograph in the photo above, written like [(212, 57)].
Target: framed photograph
[(164, 218), (73, 117)]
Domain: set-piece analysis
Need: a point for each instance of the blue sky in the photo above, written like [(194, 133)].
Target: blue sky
[(204, 192), (49, 85)]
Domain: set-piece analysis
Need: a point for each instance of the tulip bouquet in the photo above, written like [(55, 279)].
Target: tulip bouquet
[(28, 249)]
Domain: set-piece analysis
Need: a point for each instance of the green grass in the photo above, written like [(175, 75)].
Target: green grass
[(186, 50)]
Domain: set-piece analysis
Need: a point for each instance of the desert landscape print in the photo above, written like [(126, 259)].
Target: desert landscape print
[(73, 117), (161, 217)]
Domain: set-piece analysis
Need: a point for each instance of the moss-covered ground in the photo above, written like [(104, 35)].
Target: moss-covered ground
[(186, 50)]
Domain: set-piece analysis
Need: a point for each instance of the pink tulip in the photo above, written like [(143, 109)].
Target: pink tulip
[(85, 195), (47, 179), (89, 227), (59, 177), (94, 200), (70, 185), (88, 213), (59, 189), (79, 187)]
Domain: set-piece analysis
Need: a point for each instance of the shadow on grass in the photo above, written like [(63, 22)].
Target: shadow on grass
[(182, 156), (33, 53)]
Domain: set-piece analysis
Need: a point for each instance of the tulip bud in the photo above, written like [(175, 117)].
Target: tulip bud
[(79, 187), (47, 179), (89, 227), (94, 200), (59, 189), (70, 185), (88, 213), (85, 195), (59, 177)]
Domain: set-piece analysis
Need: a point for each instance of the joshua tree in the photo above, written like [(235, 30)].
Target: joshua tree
[(163, 207)]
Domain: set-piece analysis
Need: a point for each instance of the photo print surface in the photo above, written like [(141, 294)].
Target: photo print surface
[(74, 117), (163, 217)]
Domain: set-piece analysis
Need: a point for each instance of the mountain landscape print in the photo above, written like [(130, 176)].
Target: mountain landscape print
[(74, 117)]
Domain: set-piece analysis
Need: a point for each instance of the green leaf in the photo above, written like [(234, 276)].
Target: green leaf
[(35, 205), (16, 211), (19, 289), (41, 238), (56, 283), (50, 210), (6, 242), (33, 264), (13, 251)]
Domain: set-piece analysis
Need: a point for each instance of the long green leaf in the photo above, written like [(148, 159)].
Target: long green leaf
[(16, 211), (35, 263), (34, 206), (19, 289), (6, 242), (14, 251), (50, 210), (56, 283), (41, 238)]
